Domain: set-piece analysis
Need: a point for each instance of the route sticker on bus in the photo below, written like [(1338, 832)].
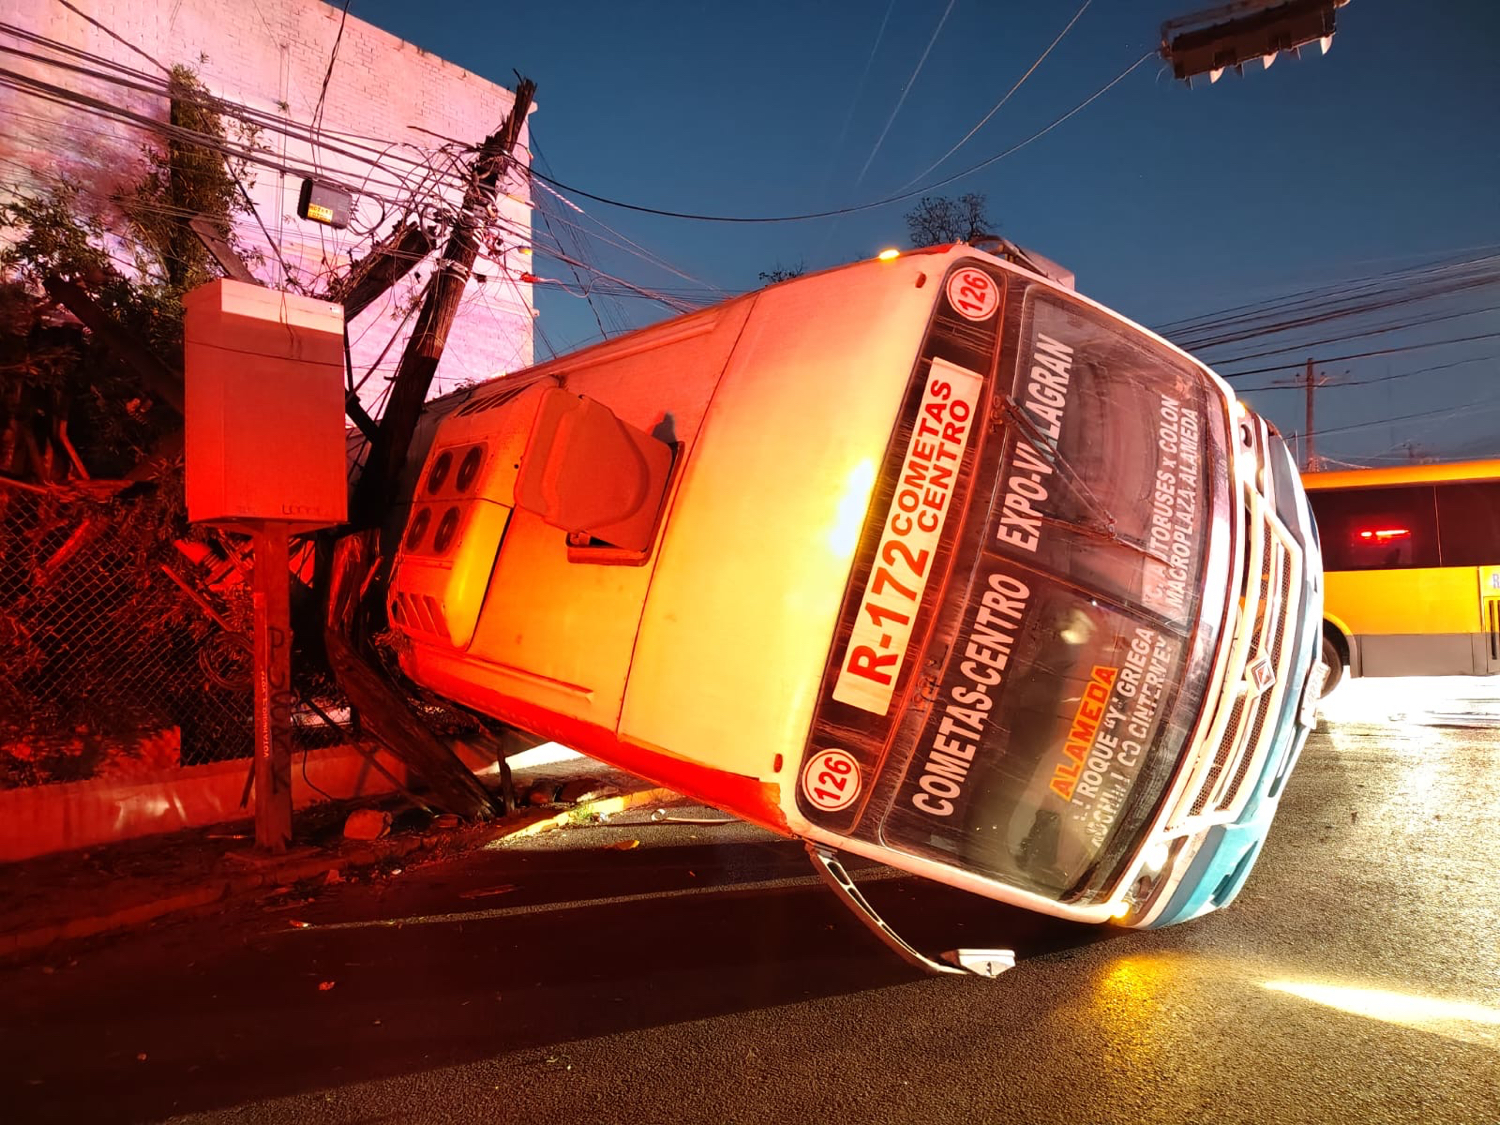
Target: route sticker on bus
[(831, 779), (974, 293), (908, 543)]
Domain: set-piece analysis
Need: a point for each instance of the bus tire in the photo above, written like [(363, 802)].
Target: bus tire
[(1333, 656)]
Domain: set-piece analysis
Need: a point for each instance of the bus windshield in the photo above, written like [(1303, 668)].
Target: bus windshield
[(1055, 730), (1064, 681), (1030, 785)]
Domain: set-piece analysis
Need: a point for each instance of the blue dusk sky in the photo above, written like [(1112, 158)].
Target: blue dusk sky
[(1372, 170)]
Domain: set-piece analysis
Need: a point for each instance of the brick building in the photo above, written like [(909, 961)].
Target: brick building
[(331, 96)]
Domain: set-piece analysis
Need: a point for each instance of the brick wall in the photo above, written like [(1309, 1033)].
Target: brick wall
[(388, 108)]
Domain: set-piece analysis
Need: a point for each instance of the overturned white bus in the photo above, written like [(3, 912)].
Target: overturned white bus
[(929, 560)]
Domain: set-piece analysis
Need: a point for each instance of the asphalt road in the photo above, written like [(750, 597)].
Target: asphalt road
[(703, 975)]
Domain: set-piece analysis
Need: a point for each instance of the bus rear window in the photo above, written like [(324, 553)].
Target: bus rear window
[(1377, 528), (1469, 522)]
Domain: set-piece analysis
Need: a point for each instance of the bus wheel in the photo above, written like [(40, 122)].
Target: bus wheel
[(1335, 661)]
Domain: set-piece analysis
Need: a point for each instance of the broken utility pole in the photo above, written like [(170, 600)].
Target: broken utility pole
[(425, 347), (160, 380), (385, 708), (388, 261)]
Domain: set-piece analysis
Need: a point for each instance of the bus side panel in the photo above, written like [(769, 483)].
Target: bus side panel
[(746, 596), (555, 633), (1419, 622), (746, 797)]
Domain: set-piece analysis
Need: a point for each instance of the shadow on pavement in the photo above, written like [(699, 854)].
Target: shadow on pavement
[(412, 978)]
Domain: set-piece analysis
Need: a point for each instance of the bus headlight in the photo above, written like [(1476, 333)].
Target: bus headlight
[(1157, 856), (1162, 866)]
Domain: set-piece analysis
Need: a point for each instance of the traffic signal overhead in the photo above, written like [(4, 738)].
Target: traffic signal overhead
[(1210, 41)]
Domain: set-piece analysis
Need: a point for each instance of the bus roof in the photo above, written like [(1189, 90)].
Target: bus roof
[(1403, 474)]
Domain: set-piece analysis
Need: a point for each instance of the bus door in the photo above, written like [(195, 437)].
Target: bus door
[(1468, 515), (1489, 603)]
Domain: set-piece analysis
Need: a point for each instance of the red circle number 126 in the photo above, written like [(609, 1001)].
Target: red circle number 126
[(831, 780), (974, 294)]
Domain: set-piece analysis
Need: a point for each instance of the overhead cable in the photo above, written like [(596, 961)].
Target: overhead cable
[(899, 197), (997, 106)]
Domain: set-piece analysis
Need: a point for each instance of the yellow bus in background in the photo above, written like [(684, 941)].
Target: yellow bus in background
[(1411, 555)]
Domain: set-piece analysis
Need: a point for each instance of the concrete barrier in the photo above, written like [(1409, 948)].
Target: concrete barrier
[(42, 819)]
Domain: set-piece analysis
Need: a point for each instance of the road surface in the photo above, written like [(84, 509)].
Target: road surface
[(701, 974)]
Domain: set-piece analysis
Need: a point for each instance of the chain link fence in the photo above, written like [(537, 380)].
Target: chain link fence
[(122, 649)]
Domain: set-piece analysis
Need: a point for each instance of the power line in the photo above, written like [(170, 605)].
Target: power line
[(116, 38), (996, 108), (1367, 355), (127, 77), (346, 144), (625, 243), (887, 201), (593, 308), (905, 90), (1402, 326), (317, 117), (1254, 311), (166, 130), (1321, 306), (859, 89), (115, 74), (1417, 371), (1374, 379), (1445, 412)]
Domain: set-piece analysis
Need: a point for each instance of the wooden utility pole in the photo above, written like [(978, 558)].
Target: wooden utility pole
[(380, 701), (382, 704), (425, 347), (273, 688), (1309, 459), (388, 261)]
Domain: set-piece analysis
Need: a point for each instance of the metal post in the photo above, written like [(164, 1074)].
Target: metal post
[(273, 689)]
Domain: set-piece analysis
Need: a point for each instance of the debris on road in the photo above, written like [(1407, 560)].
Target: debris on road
[(487, 892), (367, 824)]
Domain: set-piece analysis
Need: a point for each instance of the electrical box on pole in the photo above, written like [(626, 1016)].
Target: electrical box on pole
[(264, 455), (263, 407)]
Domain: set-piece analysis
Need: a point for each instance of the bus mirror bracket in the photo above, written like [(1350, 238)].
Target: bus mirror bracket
[(981, 962)]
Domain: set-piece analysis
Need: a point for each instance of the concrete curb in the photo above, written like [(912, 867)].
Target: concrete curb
[(42, 820), (605, 806), (300, 868)]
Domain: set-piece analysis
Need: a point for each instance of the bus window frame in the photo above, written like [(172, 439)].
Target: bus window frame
[(1453, 489), (1416, 513)]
